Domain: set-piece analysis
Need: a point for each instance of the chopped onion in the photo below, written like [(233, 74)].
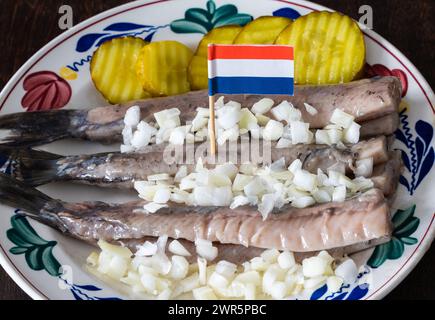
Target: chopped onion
[(283, 143), (281, 111), (147, 249), (206, 250), (266, 205), (286, 260), (225, 268), (348, 271), (159, 177), (322, 137), (162, 196), (255, 187), (126, 148), (315, 282), (228, 169), (278, 290), (228, 116), (262, 120), (231, 134), (303, 202), (239, 201), (240, 181), (141, 138), (149, 282), (339, 194), (202, 269), (335, 135), (217, 280), (273, 130), (255, 131), (247, 119), (314, 267), (204, 293), (310, 109), (295, 166), (179, 267), (153, 207), (132, 116), (177, 248), (334, 283), (199, 122), (262, 106), (322, 196), (300, 132), (270, 255), (304, 180), (351, 134), (341, 118), (169, 118)]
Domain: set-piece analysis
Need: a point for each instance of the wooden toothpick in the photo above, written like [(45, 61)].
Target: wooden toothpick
[(212, 126)]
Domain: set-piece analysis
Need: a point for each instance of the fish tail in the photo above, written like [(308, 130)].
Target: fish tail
[(33, 167), (35, 204), (38, 128)]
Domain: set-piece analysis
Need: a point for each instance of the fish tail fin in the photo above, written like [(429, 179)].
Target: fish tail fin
[(38, 128), (35, 204), (33, 167)]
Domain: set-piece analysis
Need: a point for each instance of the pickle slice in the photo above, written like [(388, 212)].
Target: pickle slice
[(329, 48)]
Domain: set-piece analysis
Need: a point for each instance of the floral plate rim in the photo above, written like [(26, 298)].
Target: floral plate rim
[(407, 266)]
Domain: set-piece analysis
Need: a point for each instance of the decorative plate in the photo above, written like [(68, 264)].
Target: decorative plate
[(58, 75)]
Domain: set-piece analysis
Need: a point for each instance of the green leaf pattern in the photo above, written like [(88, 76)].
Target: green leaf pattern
[(198, 20), (37, 251), (404, 225)]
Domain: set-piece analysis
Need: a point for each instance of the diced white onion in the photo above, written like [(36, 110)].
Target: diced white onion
[(341, 118), (351, 134), (153, 207), (348, 271), (339, 194), (300, 132), (314, 267), (303, 202), (286, 260), (262, 106), (273, 130), (304, 180), (132, 116), (177, 248), (147, 249), (179, 267), (310, 109), (334, 283)]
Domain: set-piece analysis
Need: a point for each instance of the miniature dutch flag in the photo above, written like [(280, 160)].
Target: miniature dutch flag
[(250, 69)]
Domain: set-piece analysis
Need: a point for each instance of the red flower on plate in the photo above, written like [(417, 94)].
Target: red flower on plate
[(381, 70), (45, 90)]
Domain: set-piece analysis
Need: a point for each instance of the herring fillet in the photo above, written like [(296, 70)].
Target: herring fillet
[(331, 225), (365, 99), (121, 170)]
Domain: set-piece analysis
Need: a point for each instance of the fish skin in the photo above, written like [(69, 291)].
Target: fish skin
[(366, 99), (121, 170), (351, 225), (322, 227)]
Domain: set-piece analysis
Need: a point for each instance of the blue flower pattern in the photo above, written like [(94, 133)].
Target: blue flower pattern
[(418, 157)]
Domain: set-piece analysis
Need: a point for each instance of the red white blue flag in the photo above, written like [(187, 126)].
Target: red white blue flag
[(250, 69)]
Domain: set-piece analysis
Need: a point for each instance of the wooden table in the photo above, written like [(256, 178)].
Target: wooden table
[(27, 25)]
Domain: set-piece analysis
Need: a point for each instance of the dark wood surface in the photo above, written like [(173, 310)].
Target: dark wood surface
[(27, 25)]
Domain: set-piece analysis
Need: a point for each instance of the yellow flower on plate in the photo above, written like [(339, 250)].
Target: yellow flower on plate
[(67, 73)]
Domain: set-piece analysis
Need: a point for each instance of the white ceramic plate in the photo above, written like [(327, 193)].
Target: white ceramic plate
[(68, 56)]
